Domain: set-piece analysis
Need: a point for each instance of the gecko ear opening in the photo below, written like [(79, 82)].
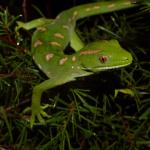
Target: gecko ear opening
[(69, 50)]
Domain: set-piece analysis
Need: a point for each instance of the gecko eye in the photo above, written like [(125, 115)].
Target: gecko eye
[(103, 59)]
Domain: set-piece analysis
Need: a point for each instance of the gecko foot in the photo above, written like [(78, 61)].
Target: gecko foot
[(39, 114)]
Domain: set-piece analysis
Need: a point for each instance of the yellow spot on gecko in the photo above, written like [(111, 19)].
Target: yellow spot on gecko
[(59, 35), (53, 43), (37, 43), (75, 13), (66, 27), (96, 7), (89, 52), (49, 56), (42, 29), (88, 9), (74, 58), (78, 67), (111, 6), (63, 60), (127, 3)]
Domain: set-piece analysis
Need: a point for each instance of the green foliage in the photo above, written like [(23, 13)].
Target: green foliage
[(90, 117)]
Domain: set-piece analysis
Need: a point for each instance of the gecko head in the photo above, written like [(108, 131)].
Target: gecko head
[(103, 55)]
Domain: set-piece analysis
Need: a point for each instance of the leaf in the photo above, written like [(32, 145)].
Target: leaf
[(145, 115), (124, 91)]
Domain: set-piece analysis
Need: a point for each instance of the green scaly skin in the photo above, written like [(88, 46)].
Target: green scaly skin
[(51, 38)]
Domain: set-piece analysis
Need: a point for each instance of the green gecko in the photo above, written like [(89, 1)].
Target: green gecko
[(52, 37)]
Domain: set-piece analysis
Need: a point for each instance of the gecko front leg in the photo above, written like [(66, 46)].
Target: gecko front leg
[(36, 107)]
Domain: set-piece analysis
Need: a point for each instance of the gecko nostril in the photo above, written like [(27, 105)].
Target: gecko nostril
[(125, 59)]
